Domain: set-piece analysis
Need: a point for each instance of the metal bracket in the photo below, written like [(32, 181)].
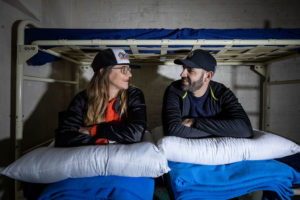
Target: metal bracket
[(25, 52), (259, 69), (164, 47), (133, 46)]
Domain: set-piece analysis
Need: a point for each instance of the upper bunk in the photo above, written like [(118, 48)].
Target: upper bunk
[(162, 46)]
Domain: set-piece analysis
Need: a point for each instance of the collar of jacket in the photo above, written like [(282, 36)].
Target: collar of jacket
[(185, 105), (117, 107)]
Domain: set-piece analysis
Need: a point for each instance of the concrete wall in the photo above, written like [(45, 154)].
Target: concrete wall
[(43, 101), (284, 99)]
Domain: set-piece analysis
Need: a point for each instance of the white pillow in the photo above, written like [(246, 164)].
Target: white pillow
[(224, 150), (50, 164)]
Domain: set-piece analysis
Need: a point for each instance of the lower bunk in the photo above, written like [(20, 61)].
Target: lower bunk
[(167, 168), (273, 178)]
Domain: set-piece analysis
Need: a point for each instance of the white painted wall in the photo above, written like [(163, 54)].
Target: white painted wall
[(43, 101)]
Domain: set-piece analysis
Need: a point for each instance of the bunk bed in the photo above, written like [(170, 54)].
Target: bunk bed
[(257, 48)]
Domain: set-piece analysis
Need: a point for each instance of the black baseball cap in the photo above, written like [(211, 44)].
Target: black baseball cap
[(110, 57), (199, 59)]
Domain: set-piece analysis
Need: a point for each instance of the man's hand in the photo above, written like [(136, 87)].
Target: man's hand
[(188, 122), (85, 130)]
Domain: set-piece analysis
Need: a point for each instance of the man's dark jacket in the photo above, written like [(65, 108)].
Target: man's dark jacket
[(228, 116), (128, 131)]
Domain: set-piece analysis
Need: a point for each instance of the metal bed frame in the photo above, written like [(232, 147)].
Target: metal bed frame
[(258, 54)]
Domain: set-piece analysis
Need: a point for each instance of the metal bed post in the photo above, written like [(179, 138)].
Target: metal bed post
[(24, 52), (266, 99), (261, 70)]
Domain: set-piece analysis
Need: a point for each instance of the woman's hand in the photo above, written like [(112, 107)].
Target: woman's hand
[(85, 130)]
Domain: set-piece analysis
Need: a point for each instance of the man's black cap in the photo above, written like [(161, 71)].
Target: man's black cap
[(110, 57), (199, 59)]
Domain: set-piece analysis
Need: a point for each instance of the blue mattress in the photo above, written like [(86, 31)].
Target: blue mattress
[(33, 34)]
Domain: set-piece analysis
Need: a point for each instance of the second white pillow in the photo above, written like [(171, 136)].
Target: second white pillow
[(224, 150)]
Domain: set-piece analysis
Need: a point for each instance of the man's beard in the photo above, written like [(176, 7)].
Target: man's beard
[(192, 86)]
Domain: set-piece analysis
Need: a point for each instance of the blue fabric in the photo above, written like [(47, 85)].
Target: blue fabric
[(33, 34), (200, 106), (191, 181), (294, 162), (100, 187)]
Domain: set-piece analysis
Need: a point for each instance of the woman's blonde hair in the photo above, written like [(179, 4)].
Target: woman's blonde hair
[(98, 97)]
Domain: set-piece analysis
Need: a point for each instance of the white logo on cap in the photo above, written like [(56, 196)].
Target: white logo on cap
[(120, 56)]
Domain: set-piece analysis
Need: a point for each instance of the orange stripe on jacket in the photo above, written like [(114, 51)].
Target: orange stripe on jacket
[(110, 116)]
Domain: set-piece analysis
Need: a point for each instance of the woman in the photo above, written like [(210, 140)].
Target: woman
[(109, 110)]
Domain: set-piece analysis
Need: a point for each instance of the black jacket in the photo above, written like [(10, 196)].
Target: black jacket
[(128, 131), (229, 118)]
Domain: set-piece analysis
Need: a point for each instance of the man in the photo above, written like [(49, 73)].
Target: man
[(196, 106)]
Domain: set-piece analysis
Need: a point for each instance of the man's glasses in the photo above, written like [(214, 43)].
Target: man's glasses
[(124, 69)]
